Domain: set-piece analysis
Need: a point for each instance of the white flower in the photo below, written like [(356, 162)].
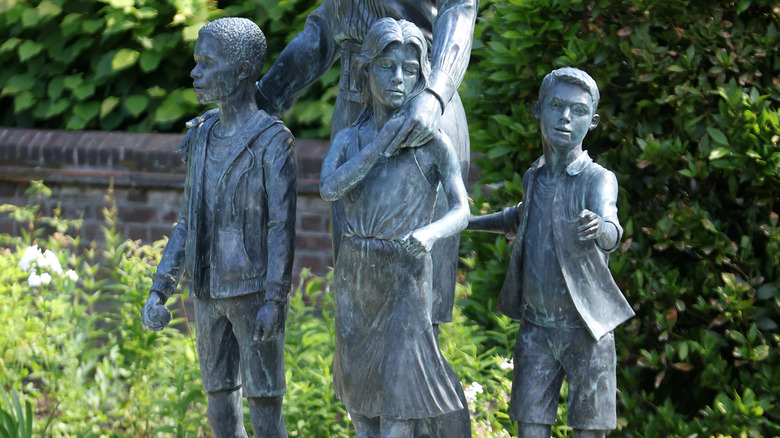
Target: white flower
[(72, 275), (507, 365), (51, 261), (45, 278), (30, 256), (472, 390), (34, 280)]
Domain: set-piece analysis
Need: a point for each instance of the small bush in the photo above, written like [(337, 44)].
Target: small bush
[(75, 353)]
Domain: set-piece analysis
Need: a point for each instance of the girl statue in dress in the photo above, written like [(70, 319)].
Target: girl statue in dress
[(388, 369)]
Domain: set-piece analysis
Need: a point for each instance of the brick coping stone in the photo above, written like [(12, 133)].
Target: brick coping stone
[(126, 158)]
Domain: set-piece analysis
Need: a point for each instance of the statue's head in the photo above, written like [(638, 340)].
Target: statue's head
[(566, 108), (573, 76), (391, 44), (229, 54)]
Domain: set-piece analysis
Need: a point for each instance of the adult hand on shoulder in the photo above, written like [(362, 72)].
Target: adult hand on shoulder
[(591, 225), (389, 135), (270, 320), (421, 121), (419, 242), (154, 315)]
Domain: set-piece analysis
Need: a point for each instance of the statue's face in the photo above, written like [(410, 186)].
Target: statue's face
[(214, 77), (566, 116), (393, 75)]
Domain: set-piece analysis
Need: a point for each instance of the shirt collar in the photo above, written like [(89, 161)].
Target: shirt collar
[(575, 167)]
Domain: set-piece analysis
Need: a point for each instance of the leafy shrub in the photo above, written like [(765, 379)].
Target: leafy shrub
[(690, 126), (124, 64), (76, 360)]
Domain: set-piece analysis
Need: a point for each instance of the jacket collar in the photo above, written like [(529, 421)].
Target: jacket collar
[(574, 168)]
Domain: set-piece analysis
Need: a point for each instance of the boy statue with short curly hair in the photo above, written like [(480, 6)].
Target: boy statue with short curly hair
[(234, 240)]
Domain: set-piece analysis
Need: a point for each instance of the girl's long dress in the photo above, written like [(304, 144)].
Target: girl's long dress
[(387, 360)]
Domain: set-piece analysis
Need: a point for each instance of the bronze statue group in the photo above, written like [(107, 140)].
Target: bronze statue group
[(395, 174)]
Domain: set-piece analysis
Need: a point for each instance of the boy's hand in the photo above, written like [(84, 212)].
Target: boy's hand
[(418, 243), (270, 321), (591, 225), (154, 315)]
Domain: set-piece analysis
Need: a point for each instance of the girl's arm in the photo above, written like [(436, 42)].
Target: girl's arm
[(340, 173)]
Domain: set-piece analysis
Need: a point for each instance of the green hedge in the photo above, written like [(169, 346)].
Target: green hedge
[(124, 64), (689, 112)]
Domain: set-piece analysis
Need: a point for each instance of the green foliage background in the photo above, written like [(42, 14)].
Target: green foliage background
[(690, 98), (689, 123), (124, 64)]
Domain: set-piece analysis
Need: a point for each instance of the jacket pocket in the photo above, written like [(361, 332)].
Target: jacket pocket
[(232, 260)]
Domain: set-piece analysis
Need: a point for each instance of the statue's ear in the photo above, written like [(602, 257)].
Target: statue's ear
[(242, 70), (536, 108), (594, 122)]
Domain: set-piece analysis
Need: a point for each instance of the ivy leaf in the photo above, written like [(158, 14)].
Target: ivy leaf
[(136, 104), (149, 60), (23, 101), (28, 49), (87, 110), (718, 153), (9, 44), (124, 58), (108, 105), (84, 90), (18, 83)]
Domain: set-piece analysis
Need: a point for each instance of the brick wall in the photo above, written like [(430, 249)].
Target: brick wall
[(147, 177)]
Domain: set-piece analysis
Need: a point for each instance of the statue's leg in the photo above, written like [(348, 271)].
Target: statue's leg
[(219, 361), (528, 430), (396, 428), (579, 433), (365, 427), (226, 414), (265, 414)]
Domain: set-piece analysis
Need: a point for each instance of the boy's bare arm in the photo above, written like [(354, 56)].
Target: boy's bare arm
[(505, 221)]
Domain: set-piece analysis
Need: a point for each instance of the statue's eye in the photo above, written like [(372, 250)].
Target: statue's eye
[(581, 110), (384, 64)]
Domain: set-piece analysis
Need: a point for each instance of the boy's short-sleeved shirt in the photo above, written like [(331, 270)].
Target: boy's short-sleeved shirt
[(546, 300)]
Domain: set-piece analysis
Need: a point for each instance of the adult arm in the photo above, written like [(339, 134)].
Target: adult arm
[(280, 185), (305, 59), (453, 33)]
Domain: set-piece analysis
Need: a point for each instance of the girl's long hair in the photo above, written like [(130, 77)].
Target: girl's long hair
[(384, 32)]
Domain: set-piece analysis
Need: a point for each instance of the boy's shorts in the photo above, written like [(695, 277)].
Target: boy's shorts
[(229, 359), (543, 355)]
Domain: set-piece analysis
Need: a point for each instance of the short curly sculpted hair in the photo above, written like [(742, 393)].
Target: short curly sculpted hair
[(242, 40)]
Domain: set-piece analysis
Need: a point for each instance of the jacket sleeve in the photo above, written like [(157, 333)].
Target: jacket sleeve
[(171, 264), (453, 33), (281, 179), (603, 202), (305, 59)]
